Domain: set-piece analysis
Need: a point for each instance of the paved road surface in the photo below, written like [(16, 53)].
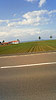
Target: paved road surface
[(27, 59), (28, 83)]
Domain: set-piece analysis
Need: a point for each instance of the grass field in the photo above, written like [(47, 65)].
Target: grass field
[(29, 47)]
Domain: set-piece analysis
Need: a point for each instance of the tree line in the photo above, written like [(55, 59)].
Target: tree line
[(40, 37), (18, 39)]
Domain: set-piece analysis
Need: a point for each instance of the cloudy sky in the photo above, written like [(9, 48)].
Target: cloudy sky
[(26, 20)]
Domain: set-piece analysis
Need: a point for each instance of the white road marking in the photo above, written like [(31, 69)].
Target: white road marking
[(28, 55), (27, 65)]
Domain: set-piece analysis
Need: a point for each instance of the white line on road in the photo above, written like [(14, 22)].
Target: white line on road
[(49, 63)]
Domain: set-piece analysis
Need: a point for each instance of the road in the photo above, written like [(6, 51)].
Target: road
[(36, 82)]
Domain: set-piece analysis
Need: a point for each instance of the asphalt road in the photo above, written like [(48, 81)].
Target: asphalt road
[(27, 59), (28, 83)]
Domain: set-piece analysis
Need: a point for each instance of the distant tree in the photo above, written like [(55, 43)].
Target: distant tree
[(18, 40), (50, 37), (3, 41), (39, 37)]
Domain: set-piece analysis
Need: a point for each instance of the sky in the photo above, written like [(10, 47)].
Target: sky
[(26, 20)]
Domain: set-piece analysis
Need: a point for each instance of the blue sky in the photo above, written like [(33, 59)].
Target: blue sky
[(27, 19)]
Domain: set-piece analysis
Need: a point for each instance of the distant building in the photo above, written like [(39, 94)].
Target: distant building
[(11, 42), (14, 42), (4, 43)]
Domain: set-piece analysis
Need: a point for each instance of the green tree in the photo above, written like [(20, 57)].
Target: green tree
[(50, 37), (18, 40), (3, 41), (39, 37)]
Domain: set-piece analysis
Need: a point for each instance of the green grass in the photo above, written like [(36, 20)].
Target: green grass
[(29, 47)]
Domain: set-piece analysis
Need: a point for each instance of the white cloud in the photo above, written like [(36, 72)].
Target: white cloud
[(2, 34), (34, 18), (14, 15), (4, 21), (41, 2), (25, 34), (52, 12), (30, 0), (15, 28)]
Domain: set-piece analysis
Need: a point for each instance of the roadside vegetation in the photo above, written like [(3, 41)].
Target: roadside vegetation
[(28, 47)]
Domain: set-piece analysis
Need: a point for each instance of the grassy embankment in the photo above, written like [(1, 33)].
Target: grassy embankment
[(29, 47)]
